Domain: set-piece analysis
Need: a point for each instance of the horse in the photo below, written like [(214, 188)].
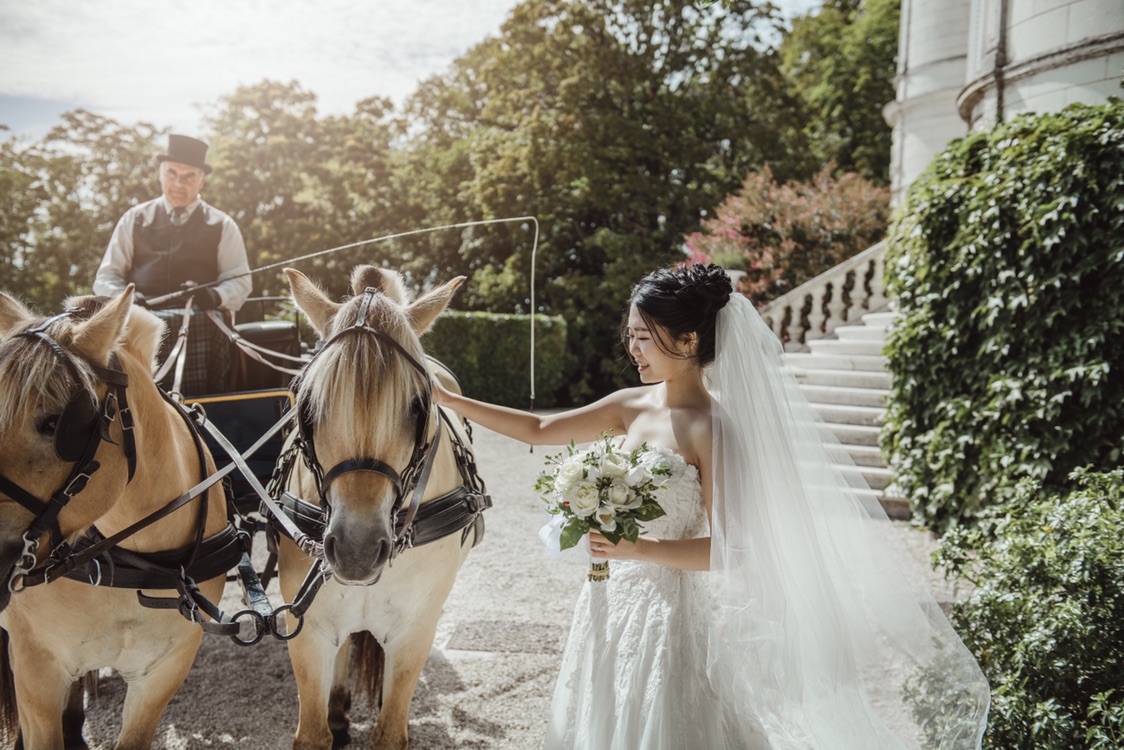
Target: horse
[(78, 406), (392, 541)]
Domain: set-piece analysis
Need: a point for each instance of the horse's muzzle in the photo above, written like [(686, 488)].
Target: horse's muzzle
[(357, 552)]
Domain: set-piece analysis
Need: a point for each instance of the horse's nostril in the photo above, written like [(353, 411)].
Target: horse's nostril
[(330, 547), (382, 552)]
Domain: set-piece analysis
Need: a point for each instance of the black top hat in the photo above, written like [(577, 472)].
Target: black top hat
[(184, 149)]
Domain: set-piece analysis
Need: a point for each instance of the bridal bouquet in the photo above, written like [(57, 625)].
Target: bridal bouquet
[(603, 488)]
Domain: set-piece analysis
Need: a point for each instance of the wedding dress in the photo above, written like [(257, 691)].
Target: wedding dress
[(633, 673), (812, 627)]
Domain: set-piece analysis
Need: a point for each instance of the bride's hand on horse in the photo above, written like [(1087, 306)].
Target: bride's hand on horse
[(603, 549), (440, 395)]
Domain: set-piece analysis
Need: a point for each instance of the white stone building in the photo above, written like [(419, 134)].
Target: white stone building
[(973, 63)]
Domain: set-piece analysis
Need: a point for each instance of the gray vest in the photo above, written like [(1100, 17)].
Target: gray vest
[(166, 255)]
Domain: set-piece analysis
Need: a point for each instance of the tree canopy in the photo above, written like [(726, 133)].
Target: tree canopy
[(619, 124)]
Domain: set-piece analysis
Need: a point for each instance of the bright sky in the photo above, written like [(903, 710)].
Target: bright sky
[(137, 60)]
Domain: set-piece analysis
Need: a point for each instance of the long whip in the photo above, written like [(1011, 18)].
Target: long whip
[(386, 238)]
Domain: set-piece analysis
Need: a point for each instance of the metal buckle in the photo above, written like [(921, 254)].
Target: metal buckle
[(25, 564)]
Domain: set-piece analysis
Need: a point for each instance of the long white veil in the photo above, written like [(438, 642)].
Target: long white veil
[(817, 623)]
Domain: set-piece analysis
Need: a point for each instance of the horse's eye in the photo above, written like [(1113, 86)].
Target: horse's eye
[(48, 425)]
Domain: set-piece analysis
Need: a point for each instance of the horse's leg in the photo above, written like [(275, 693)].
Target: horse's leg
[(405, 657), (149, 694), (339, 700), (41, 693), (314, 660), (74, 717)]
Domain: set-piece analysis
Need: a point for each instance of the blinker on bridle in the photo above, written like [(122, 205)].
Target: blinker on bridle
[(81, 427), (414, 477)]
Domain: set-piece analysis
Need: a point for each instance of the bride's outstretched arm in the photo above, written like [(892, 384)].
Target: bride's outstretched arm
[(581, 425)]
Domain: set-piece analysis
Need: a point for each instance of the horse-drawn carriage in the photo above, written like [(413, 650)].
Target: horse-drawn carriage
[(112, 507)]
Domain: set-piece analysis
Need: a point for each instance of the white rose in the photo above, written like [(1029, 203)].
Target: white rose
[(614, 465), (568, 476), (637, 475), (592, 472), (607, 519), (618, 494), (586, 500)]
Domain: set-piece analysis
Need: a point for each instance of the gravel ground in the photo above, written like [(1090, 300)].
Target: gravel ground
[(489, 677)]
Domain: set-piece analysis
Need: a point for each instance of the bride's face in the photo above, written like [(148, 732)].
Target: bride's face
[(649, 350)]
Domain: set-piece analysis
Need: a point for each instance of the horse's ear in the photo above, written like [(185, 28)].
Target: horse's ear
[(96, 337), (12, 313), (144, 334), (425, 310), (311, 300), (385, 281)]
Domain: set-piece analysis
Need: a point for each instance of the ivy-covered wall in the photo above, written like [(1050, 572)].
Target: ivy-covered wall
[(491, 355), (1007, 261)]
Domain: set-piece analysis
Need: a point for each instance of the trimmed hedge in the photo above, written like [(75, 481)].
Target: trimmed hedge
[(1007, 261), (490, 355)]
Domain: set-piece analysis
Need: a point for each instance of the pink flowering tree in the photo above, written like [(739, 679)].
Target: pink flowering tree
[(782, 235)]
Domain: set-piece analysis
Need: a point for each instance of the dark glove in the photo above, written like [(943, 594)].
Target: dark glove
[(140, 299), (207, 299)]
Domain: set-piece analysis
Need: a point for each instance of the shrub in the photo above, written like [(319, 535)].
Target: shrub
[(490, 355), (784, 235), (1007, 261), (1046, 618)]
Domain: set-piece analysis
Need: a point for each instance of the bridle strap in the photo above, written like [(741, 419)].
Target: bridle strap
[(420, 465), (47, 512), (372, 465)]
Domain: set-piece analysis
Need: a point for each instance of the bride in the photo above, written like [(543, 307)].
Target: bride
[(766, 610)]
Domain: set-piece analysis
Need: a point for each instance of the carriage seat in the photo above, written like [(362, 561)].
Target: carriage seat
[(278, 335)]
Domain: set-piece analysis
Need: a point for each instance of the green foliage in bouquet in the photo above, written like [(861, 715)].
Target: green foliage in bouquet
[(1007, 261), (603, 488), (1046, 617)]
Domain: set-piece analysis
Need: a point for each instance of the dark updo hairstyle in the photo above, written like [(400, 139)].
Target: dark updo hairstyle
[(682, 299)]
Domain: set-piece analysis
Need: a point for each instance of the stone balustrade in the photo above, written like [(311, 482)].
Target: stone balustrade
[(846, 292)]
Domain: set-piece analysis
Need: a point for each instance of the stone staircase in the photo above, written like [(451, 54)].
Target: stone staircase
[(845, 380)]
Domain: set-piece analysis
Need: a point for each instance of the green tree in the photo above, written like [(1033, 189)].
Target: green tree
[(296, 183), (619, 124), (840, 61), (64, 196)]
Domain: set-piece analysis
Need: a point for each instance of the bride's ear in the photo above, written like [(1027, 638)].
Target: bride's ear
[(689, 345)]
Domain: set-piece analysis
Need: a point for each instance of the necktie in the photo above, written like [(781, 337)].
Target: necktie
[(179, 216)]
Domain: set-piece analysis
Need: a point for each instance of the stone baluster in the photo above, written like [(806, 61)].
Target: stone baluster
[(836, 310), (795, 326), (817, 316), (877, 299)]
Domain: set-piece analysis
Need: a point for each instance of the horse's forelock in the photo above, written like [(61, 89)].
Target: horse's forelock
[(381, 280), (33, 379), (352, 384)]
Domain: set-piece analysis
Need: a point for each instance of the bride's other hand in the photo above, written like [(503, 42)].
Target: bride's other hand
[(603, 549)]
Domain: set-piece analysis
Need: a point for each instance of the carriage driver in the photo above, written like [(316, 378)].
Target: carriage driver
[(172, 243)]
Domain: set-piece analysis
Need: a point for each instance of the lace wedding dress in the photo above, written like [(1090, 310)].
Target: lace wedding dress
[(811, 631), (633, 673)]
